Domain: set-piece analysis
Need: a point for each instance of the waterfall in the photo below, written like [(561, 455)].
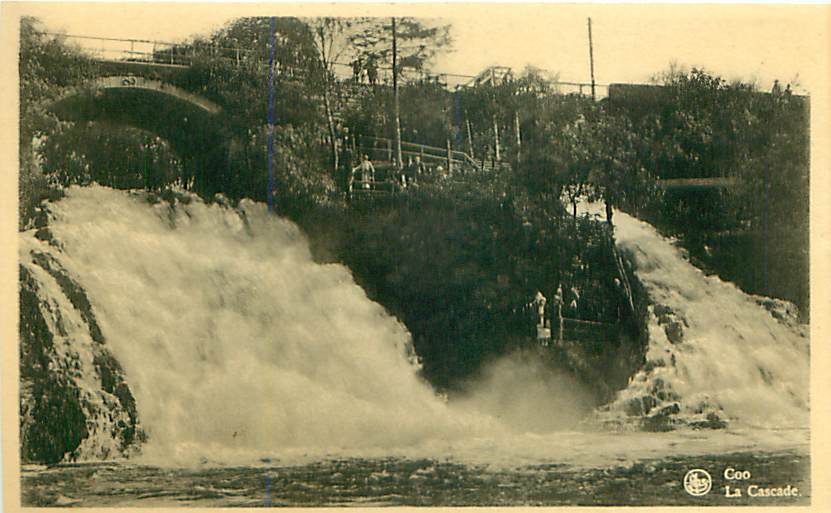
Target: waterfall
[(715, 353), (233, 340)]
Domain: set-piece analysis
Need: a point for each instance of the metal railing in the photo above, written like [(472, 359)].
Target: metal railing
[(167, 53), (385, 148)]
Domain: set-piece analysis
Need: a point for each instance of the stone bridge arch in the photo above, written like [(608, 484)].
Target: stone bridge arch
[(147, 84), (192, 124)]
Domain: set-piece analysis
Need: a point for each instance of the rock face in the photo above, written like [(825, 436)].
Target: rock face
[(74, 401), (783, 311)]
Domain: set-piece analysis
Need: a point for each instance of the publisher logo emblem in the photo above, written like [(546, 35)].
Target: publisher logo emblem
[(698, 482)]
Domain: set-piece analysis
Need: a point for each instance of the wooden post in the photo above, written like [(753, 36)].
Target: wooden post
[(591, 59), (449, 158), (496, 139), (518, 138), (457, 115), (469, 140), (389, 151)]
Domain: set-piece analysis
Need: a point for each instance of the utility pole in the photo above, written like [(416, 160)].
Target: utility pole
[(399, 162), (591, 59)]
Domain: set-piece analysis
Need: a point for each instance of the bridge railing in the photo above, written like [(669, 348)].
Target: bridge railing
[(581, 329), (186, 53), (154, 51)]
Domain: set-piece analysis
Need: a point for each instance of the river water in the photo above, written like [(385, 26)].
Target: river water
[(264, 378)]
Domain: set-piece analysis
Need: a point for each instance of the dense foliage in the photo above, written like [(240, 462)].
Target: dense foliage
[(123, 157), (460, 265), (47, 67), (699, 125)]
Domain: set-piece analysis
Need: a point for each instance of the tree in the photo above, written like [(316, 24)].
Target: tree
[(619, 159), (331, 40), (403, 43), (578, 161), (47, 66), (302, 146), (557, 145)]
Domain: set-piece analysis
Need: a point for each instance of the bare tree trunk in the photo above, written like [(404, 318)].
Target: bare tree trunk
[(574, 205), (333, 137), (469, 140), (399, 162), (518, 137)]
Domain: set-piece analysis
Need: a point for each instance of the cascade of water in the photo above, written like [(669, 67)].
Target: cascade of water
[(715, 353), (233, 338)]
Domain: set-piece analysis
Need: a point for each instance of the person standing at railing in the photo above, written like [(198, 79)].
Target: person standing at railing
[(366, 170), (543, 324), (540, 301), (420, 169), (407, 173), (372, 70), (575, 298), (558, 302), (357, 70)]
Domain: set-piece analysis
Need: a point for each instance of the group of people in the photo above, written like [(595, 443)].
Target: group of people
[(411, 172), (558, 305), (364, 72), (779, 95), (365, 175)]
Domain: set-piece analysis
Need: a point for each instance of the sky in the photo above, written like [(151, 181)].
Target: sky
[(632, 43)]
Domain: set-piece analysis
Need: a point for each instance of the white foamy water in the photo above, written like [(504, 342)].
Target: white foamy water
[(238, 346), (233, 340), (735, 357)]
